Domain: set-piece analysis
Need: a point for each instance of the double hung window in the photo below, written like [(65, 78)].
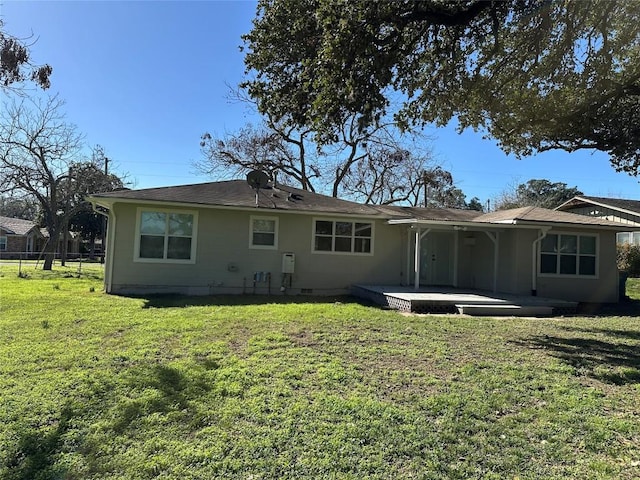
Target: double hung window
[(569, 254), (166, 236), (264, 232)]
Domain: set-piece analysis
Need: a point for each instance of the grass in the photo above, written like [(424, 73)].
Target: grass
[(103, 387)]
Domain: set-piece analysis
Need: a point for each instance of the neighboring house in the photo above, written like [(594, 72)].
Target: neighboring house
[(225, 237), (626, 212), (24, 239), (19, 238)]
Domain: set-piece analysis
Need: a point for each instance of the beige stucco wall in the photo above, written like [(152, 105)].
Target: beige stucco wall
[(225, 263)]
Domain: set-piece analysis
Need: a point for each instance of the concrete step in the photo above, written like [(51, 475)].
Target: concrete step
[(502, 309)]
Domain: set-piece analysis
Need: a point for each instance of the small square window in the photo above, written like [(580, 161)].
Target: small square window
[(264, 232)]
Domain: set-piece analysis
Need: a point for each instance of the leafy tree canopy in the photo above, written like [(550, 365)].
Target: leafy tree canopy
[(537, 193), (15, 63), (533, 74)]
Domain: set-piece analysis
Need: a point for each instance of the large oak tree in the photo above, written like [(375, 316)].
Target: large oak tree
[(16, 66), (533, 74)]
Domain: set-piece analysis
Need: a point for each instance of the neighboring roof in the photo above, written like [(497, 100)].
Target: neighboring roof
[(237, 193), (620, 204), (16, 226), (537, 215)]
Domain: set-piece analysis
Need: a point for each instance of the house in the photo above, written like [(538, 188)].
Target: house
[(19, 238), (24, 239), (227, 237), (626, 212)]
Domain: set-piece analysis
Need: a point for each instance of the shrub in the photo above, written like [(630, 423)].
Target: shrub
[(629, 259)]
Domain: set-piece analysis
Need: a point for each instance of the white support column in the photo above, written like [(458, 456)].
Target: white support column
[(416, 260)]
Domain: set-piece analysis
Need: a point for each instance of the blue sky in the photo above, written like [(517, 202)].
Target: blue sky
[(145, 79)]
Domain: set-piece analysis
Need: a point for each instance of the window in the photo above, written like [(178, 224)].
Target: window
[(342, 237), (3, 243), (562, 254), (264, 232), (166, 236), (632, 238)]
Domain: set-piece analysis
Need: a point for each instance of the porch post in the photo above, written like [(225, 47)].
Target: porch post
[(416, 260)]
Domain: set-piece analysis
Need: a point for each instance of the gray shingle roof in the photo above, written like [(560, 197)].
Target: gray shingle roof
[(237, 193), (542, 215), (16, 226)]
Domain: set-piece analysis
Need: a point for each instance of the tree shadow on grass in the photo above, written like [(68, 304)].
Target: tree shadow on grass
[(605, 360), (173, 392), (35, 450)]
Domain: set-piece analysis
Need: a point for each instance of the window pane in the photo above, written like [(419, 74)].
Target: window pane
[(343, 244), (548, 263), (362, 245), (549, 244), (151, 246), (568, 244), (324, 228), (588, 245), (587, 265), (262, 225), (264, 239), (363, 229), (636, 238), (153, 223), (179, 248), (623, 237), (323, 244), (568, 264), (344, 228), (180, 224)]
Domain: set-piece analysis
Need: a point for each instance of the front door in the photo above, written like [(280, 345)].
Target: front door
[(436, 258)]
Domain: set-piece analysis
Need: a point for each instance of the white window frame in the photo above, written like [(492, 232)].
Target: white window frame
[(333, 236), (194, 236), (251, 232), (577, 255)]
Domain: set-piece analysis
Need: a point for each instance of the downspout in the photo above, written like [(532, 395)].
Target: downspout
[(534, 260), (111, 230)]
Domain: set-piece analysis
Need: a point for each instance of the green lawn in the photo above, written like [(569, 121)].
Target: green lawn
[(94, 386)]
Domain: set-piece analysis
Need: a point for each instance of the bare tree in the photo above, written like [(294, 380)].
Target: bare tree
[(377, 164), (38, 150)]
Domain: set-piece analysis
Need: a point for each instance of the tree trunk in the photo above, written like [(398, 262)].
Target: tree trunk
[(50, 248)]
